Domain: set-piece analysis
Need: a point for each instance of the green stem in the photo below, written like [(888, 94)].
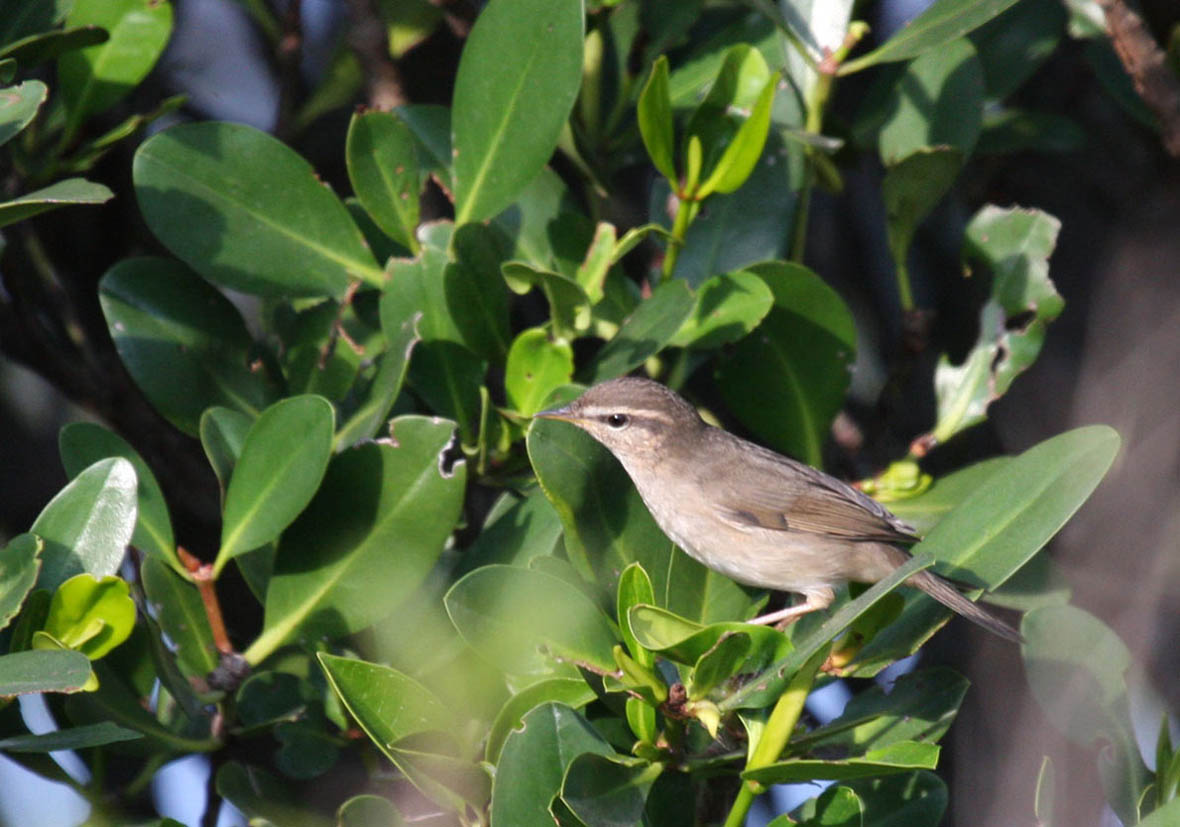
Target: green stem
[(904, 294), (816, 105), (776, 733), (684, 216)]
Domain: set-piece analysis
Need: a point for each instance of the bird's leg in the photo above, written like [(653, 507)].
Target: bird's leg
[(812, 600)]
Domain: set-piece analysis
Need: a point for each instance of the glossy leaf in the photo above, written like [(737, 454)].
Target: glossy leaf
[(383, 170), (720, 663), (59, 194), (912, 800), (1014, 246), (366, 420), (19, 105), (79, 737), (282, 462), (535, 224), (693, 591), (920, 706), (521, 620), (87, 526), (517, 80), (993, 532), (600, 255), (727, 308), (898, 757), (743, 151), (572, 692), (387, 704), (417, 287), (644, 333), (925, 510), (38, 48), (912, 187), (246, 212), (81, 444), (90, 615), (634, 588), (799, 358), (431, 125), (941, 22), (600, 789), (534, 760), (94, 79), (536, 367), (938, 101), (475, 293), (177, 606), (746, 226), (448, 377), (223, 433), (837, 806), (686, 642), (655, 121), (590, 491), (733, 98), (1013, 46), (368, 539), (183, 342), (20, 562), (56, 670)]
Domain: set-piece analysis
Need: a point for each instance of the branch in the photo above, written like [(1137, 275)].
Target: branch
[(368, 40)]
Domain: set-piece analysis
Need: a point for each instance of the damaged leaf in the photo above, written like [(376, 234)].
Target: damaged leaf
[(1014, 245)]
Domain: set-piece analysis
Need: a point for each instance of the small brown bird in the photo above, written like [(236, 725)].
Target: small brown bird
[(756, 516)]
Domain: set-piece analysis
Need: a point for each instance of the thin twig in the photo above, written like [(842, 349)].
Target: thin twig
[(368, 40)]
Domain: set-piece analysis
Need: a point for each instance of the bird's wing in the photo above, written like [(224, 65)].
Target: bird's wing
[(784, 495)]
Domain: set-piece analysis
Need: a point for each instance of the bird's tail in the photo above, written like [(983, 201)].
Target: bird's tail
[(946, 594)]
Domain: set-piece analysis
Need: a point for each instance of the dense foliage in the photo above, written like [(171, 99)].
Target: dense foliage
[(468, 614)]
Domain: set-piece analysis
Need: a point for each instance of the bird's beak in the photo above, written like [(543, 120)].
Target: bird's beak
[(563, 414)]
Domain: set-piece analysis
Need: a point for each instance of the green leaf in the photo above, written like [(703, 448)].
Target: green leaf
[(508, 615), (915, 800), (183, 342), (536, 367), (645, 332), (81, 444), (58, 194), (431, 125), (603, 252), (569, 306), (1076, 667), (476, 297), (744, 227), (1167, 814), (898, 757), (177, 606), (572, 692), (91, 615), (421, 292), (37, 48), (536, 223), (938, 101), (56, 670), (518, 77), (368, 811), (743, 151), (920, 706), (88, 524), (79, 737), (634, 588), (368, 539), (366, 420), (96, 78), (727, 308), (992, 533), (223, 433), (838, 806), (601, 789), (282, 462), (516, 530), (912, 187), (925, 510), (20, 562), (448, 377), (686, 642), (736, 93), (1014, 245), (533, 763), (246, 212), (19, 105), (383, 170), (606, 524), (720, 663), (261, 797), (701, 594), (1014, 45), (942, 22), (798, 359), (655, 121)]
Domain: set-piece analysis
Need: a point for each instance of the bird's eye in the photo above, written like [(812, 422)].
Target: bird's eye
[(618, 420)]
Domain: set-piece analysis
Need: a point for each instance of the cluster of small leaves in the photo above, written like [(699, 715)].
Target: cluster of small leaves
[(563, 660)]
